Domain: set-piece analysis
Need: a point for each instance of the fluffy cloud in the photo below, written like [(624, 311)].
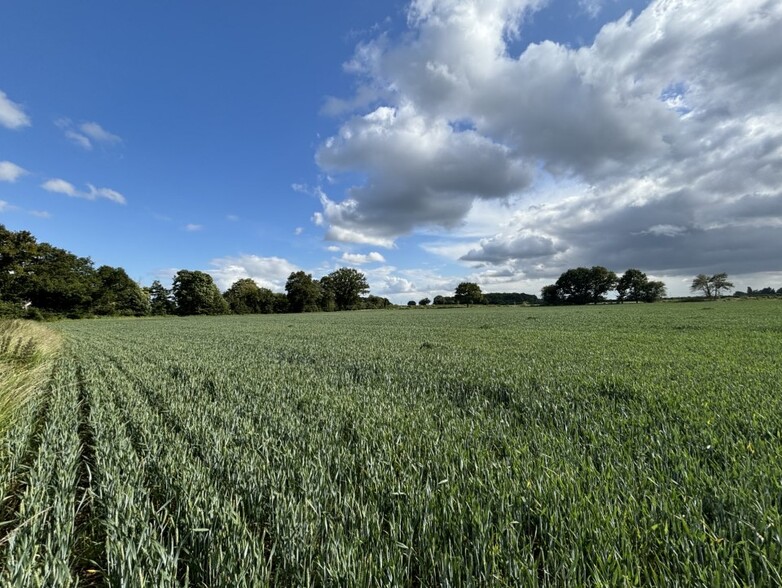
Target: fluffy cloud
[(87, 133), (521, 245), (192, 227), (268, 272), (362, 258), (665, 129), (10, 172), (12, 115), (60, 186), (420, 171)]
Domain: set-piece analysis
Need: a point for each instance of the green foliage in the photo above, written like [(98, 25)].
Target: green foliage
[(468, 293), (245, 297), (502, 298), (56, 282), (711, 286), (583, 285), (196, 293), (303, 292), (117, 294), (424, 302), (375, 302), (635, 286), (161, 301), (347, 285)]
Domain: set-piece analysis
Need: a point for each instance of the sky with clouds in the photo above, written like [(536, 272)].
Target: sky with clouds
[(424, 142)]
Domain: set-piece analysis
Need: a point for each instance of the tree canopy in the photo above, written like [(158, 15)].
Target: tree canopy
[(584, 285), (635, 286), (303, 292), (196, 293), (711, 286), (347, 285), (468, 293), (246, 297)]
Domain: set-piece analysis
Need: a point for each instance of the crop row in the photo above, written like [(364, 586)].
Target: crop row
[(490, 447)]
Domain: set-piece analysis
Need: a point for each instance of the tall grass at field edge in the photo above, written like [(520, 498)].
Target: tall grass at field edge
[(27, 350)]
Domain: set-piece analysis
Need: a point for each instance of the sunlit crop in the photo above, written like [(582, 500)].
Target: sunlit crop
[(609, 445)]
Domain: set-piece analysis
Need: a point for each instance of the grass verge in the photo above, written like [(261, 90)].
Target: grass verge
[(27, 350)]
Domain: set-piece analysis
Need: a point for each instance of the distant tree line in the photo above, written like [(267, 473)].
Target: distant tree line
[(767, 292), (38, 280), (195, 293), (470, 293), (584, 285)]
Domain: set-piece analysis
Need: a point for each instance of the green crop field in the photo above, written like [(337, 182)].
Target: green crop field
[(609, 445)]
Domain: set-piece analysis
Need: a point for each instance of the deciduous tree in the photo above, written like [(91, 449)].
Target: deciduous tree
[(303, 292), (348, 285), (468, 293), (196, 293)]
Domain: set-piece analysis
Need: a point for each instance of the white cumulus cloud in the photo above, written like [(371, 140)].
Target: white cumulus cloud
[(268, 272), (362, 258), (656, 145)]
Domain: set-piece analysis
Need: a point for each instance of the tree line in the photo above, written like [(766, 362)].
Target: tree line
[(38, 280), (584, 285)]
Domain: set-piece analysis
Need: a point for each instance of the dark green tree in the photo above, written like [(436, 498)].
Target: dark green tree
[(58, 281), (552, 295), (411, 303), (575, 286), (280, 303), (654, 291), (303, 292), (117, 294), (375, 302), (701, 283), (160, 300), (468, 293), (424, 302), (347, 285), (602, 281), (196, 293), (243, 297), (632, 286), (719, 282), (17, 256)]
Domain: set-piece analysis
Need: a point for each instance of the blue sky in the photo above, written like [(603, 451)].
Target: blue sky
[(422, 142)]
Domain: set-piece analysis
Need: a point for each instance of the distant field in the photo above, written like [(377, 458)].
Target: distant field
[(608, 445)]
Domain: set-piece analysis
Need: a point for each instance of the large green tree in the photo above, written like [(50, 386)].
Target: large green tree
[(580, 285), (161, 301), (468, 293), (58, 281), (635, 286), (347, 285), (17, 256), (701, 283), (196, 293), (303, 292), (246, 297), (117, 294), (711, 286), (602, 281), (719, 282)]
